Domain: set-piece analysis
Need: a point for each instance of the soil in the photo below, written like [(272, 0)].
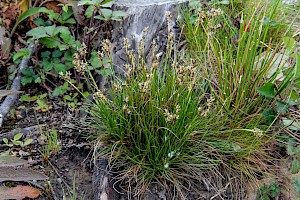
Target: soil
[(72, 165)]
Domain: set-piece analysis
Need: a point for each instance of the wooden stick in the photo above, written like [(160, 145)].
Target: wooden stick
[(16, 86)]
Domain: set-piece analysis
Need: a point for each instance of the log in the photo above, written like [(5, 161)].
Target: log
[(141, 14)]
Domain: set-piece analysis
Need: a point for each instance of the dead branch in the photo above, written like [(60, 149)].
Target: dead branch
[(25, 131), (16, 85)]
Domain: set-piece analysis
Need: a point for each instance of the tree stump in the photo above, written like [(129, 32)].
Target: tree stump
[(150, 14)]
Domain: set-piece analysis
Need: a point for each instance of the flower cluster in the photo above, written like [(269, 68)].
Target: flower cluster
[(258, 132), (214, 12), (144, 86), (186, 73), (116, 87), (208, 16), (106, 46), (79, 65), (203, 111), (100, 95), (125, 107), (172, 118), (66, 76)]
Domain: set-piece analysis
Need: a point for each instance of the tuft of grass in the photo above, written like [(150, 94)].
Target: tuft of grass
[(170, 120), (52, 144)]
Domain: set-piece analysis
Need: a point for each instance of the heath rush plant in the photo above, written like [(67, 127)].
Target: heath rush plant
[(171, 119)]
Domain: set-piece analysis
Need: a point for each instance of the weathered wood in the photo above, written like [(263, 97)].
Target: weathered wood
[(141, 14), (150, 14), (15, 86)]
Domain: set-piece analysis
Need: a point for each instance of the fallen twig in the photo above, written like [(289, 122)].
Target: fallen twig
[(16, 85), (25, 131)]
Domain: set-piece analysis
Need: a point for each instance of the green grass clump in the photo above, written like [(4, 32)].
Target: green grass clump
[(245, 90), (148, 124), (171, 120)]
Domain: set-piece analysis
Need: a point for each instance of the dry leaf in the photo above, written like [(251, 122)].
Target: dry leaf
[(52, 5), (10, 161), (20, 174), (19, 192), (23, 5)]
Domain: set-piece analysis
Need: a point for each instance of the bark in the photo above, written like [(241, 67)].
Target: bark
[(16, 85)]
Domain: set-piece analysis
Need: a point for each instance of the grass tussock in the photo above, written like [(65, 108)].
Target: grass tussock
[(208, 107)]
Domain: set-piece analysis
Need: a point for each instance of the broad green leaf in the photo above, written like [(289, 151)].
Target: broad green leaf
[(17, 142), (119, 14), (56, 53), (68, 98), (295, 166), (66, 36), (89, 11), (100, 17), (291, 124), (60, 68), (85, 94), (107, 13), (50, 42), (5, 140), (292, 147), (28, 13), (290, 44), (60, 29), (69, 21), (274, 189), (297, 67), (267, 90), (46, 54), (85, 2), (28, 141), (27, 98), (28, 72), (56, 92), (66, 15), (40, 103), (26, 80), (270, 115), (95, 60), (104, 71), (53, 16), (23, 52), (47, 66), (107, 4), (38, 32), (42, 96), (18, 136), (37, 79), (296, 184), (281, 107), (39, 21), (50, 30)]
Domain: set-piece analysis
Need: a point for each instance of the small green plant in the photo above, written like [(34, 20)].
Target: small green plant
[(40, 101), (102, 10), (51, 145), (16, 141), (267, 192), (296, 184)]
